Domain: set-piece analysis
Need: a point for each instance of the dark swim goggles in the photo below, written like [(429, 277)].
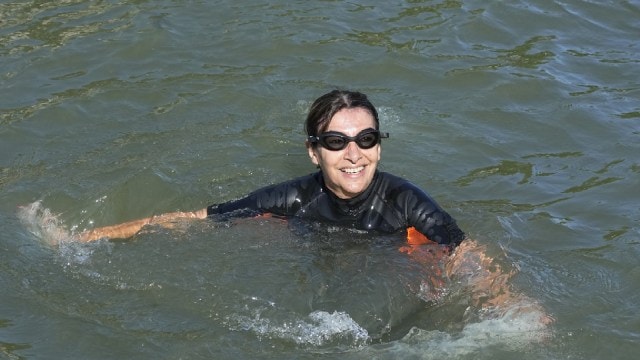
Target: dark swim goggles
[(333, 140)]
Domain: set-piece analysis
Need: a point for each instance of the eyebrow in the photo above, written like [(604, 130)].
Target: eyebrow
[(340, 132)]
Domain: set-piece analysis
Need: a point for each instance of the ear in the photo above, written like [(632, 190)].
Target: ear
[(312, 154)]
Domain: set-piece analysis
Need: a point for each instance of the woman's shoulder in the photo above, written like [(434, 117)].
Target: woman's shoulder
[(401, 190), (305, 181), (301, 181), (395, 182), (302, 186)]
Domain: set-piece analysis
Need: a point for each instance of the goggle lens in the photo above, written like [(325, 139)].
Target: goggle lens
[(337, 141)]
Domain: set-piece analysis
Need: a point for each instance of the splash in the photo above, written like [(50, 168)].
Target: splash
[(516, 331), (74, 255), (509, 332), (319, 328), (45, 225)]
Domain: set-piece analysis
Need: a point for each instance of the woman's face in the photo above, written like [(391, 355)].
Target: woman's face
[(347, 172)]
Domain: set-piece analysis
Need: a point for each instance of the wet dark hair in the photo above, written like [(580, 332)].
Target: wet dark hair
[(326, 106)]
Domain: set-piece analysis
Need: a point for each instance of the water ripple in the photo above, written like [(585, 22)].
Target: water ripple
[(54, 24)]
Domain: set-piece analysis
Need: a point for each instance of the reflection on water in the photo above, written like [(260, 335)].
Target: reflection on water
[(10, 350), (46, 24), (505, 168)]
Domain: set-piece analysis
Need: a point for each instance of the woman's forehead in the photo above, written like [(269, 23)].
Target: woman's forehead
[(351, 120)]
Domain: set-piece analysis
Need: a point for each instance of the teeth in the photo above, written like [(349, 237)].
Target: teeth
[(353, 170)]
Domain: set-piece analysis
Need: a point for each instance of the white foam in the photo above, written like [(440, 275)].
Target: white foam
[(517, 327), (318, 329), (45, 225), (517, 330)]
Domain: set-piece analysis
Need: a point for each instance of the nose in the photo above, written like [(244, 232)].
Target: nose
[(352, 152)]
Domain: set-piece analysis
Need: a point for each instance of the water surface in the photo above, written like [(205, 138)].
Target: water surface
[(521, 118)]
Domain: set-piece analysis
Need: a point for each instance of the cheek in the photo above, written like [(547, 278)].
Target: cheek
[(327, 158), (374, 154)]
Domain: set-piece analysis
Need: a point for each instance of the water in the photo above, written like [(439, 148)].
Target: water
[(521, 118)]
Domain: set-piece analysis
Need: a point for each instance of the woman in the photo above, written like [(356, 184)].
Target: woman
[(343, 141)]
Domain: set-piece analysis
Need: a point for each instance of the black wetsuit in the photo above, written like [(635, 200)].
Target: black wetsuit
[(390, 204)]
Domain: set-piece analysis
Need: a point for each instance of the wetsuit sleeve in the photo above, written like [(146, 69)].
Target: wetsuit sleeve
[(423, 213), (281, 199)]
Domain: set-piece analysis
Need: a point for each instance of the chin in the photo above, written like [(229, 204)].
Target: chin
[(349, 187), (353, 191)]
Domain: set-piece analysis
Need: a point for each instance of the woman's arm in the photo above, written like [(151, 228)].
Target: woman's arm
[(490, 286), (128, 229)]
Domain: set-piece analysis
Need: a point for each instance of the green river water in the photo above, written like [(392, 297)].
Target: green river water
[(522, 118)]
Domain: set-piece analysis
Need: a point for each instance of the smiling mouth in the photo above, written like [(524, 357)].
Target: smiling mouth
[(355, 170)]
